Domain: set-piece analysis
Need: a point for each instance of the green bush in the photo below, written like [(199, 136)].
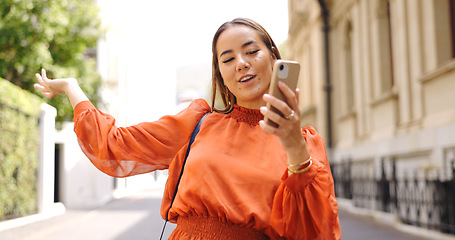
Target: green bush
[(19, 148), (58, 35)]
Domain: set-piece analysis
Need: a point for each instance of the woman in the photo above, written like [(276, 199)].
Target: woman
[(243, 178)]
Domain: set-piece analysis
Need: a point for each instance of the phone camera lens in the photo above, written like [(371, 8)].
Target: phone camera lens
[(281, 67)]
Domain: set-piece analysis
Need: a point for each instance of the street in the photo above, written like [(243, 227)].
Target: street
[(137, 217)]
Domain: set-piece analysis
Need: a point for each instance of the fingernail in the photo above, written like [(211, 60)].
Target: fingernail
[(262, 123)]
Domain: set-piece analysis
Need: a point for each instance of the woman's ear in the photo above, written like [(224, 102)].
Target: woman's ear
[(274, 54)]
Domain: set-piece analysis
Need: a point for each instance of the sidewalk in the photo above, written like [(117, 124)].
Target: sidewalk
[(357, 227), (131, 217), (359, 223), (137, 217)]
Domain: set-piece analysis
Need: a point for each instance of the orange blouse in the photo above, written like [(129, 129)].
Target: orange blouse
[(234, 171)]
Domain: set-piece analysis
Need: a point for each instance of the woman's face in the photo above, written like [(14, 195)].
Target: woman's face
[(245, 65)]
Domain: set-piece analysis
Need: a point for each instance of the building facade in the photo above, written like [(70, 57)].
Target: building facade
[(387, 101)]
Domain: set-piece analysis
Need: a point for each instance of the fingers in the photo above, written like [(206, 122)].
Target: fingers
[(38, 77), (297, 95), (286, 124), (42, 78), (43, 73), (287, 107), (43, 90), (291, 96), (288, 130), (38, 87), (281, 106), (266, 127), (42, 84)]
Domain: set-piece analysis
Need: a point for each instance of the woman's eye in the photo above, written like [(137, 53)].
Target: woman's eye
[(253, 52), (228, 60)]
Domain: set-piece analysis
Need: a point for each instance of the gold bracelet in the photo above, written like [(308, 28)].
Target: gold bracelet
[(299, 164), (302, 170)]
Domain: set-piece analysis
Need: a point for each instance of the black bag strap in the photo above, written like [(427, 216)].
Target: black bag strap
[(193, 136)]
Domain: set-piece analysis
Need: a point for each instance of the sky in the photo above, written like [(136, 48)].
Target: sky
[(184, 29), (158, 37)]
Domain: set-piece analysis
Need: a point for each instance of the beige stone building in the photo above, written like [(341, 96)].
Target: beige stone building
[(390, 88), (392, 77)]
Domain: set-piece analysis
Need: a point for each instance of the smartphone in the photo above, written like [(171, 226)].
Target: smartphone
[(288, 73)]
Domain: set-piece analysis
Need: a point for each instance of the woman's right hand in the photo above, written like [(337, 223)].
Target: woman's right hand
[(52, 87)]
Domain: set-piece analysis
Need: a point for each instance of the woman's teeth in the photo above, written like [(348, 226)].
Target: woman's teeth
[(246, 78)]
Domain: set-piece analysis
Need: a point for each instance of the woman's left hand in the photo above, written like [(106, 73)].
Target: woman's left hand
[(288, 130)]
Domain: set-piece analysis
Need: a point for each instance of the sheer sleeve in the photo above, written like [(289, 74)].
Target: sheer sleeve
[(304, 206), (122, 152)]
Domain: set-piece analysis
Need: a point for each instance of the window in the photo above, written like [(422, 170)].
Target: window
[(382, 53)]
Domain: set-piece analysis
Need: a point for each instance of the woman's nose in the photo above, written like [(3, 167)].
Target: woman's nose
[(242, 64)]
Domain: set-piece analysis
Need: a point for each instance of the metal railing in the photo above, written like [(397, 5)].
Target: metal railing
[(417, 197)]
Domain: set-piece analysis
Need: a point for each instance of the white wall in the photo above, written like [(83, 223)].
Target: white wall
[(46, 158), (81, 184)]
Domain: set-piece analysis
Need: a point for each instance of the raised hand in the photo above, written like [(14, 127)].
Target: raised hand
[(288, 130), (53, 87)]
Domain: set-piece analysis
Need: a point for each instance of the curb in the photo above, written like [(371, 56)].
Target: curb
[(55, 210)]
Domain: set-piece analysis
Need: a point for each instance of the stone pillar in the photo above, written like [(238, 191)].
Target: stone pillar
[(400, 45), (416, 57)]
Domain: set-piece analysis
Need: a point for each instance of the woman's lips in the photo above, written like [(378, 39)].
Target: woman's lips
[(246, 79)]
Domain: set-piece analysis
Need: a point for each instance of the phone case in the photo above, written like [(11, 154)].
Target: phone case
[(288, 73)]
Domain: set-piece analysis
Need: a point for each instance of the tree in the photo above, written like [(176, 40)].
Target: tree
[(51, 34)]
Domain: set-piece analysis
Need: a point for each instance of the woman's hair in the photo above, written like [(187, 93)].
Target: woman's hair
[(217, 80)]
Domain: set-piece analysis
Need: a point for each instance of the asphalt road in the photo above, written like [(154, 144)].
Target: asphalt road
[(137, 217)]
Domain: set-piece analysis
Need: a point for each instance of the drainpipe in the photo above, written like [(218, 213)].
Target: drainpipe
[(328, 86)]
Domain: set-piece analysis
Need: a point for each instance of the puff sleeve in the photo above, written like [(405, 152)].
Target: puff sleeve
[(304, 206), (142, 148)]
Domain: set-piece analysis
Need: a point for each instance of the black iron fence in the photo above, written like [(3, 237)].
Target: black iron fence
[(421, 198)]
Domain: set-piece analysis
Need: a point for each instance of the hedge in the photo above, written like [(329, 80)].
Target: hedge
[(19, 149)]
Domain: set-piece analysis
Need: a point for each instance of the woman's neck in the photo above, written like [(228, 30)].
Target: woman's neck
[(252, 105)]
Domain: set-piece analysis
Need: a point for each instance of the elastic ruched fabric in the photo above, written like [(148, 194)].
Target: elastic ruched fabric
[(209, 228)]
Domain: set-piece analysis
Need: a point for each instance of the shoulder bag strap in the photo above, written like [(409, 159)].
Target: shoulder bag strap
[(193, 136)]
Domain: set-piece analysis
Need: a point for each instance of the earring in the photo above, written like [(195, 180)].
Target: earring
[(228, 96)]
